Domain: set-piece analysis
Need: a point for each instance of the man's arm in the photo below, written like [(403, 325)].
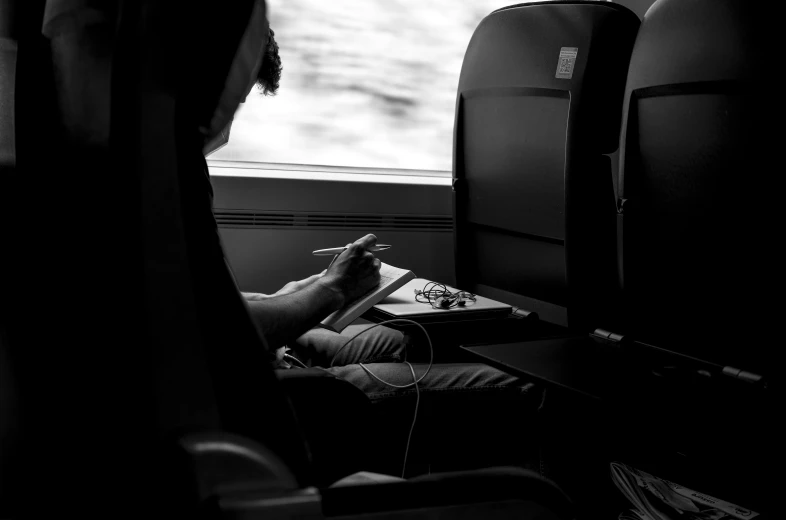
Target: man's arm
[(253, 296), (287, 289), (299, 306), (283, 318)]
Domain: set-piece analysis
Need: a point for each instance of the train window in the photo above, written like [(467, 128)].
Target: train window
[(365, 84)]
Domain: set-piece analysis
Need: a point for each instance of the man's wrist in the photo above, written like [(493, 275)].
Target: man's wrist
[(331, 291)]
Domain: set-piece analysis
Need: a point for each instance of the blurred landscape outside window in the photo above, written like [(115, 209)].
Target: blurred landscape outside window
[(365, 84)]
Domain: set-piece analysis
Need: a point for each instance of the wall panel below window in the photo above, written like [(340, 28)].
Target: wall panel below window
[(270, 226)]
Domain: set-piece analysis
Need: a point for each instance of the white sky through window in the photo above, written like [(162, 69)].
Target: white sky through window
[(366, 83)]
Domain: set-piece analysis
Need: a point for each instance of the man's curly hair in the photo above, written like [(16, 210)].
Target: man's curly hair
[(270, 72)]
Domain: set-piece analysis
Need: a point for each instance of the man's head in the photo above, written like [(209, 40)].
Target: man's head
[(270, 72)]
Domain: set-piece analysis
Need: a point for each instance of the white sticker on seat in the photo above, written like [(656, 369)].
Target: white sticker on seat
[(566, 62)]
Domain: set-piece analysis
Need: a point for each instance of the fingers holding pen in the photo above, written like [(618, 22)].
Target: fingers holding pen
[(359, 259), (356, 270), (367, 242)]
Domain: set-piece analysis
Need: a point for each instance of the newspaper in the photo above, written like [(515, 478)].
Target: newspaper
[(658, 499)]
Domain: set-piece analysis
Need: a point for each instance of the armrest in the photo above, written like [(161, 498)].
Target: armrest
[(229, 470), (461, 488), (492, 493), (225, 463), (243, 479)]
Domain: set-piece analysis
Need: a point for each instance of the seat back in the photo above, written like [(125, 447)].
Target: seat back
[(9, 431), (25, 88), (136, 334), (172, 121), (694, 221), (537, 110), (637, 6), (121, 324)]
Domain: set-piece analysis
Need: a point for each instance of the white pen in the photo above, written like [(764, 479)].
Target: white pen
[(339, 250)]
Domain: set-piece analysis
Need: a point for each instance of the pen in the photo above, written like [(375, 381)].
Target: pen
[(339, 250)]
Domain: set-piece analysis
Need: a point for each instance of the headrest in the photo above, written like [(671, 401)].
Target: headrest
[(702, 40)]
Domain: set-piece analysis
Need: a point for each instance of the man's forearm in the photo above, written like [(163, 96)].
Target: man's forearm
[(284, 318), (252, 296)]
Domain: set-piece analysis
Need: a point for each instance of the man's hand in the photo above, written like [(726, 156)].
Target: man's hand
[(355, 271), (300, 305), (299, 284)]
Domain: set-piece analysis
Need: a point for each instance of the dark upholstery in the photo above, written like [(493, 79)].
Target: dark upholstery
[(123, 333), (698, 227), (534, 198), (115, 335), (696, 218), (450, 489), (9, 428)]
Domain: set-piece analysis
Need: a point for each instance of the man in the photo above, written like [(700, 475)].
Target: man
[(180, 309), (471, 397), (289, 317)]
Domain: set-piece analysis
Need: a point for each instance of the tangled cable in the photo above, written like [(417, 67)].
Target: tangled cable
[(440, 297)]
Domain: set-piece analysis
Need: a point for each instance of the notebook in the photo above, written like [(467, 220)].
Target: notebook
[(402, 304), (391, 278)]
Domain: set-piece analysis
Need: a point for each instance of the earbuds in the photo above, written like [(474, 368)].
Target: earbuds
[(439, 297)]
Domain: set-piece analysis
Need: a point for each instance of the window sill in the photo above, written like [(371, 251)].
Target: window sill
[(328, 173)]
